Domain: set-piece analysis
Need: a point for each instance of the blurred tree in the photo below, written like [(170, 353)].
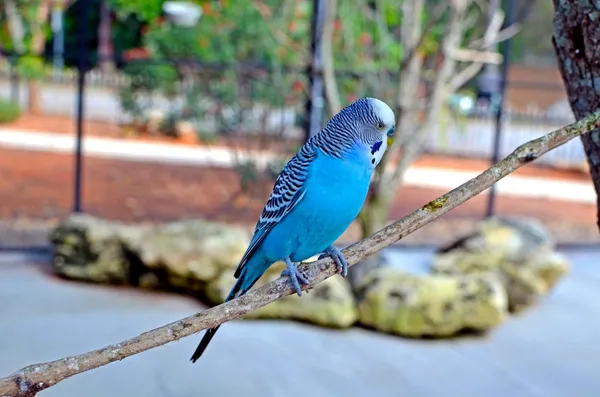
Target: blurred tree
[(145, 10), (533, 45), (105, 39), (576, 40), (15, 39), (110, 32), (413, 54), (27, 22), (237, 59)]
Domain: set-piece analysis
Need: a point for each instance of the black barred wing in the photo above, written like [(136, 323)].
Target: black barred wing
[(287, 193)]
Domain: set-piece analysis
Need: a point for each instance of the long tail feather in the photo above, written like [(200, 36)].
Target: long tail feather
[(246, 280)]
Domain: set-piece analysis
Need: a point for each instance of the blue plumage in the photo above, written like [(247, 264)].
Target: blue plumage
[(316, 197)]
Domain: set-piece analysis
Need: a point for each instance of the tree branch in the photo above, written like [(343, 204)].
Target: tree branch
[(35, 378), (413, 146), (411, 50), (409, 73), (493, 35)]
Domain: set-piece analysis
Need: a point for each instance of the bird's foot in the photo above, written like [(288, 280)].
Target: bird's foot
[(295, 276), (340, 261)]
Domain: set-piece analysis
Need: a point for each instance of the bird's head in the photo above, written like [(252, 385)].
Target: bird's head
[(365, 124), (382, 122), (376, 125)]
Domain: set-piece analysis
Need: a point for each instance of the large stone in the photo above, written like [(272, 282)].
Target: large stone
[(91, 249), (329, 304), (181, 255), (393, 301), (193, 252), (518, 252)]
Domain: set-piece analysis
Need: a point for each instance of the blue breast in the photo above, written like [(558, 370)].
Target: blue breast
[(334, 195)]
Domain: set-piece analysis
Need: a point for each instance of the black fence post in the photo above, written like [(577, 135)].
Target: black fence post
[(315, 103), (510, 19), (82, 65)]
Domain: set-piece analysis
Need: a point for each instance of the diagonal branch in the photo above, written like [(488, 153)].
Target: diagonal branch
[(30, 380)]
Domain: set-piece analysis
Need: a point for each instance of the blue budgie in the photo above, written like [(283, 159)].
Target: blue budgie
[(317, 195)]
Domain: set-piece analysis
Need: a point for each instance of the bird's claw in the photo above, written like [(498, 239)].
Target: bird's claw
[(340, 261), (295, 276)]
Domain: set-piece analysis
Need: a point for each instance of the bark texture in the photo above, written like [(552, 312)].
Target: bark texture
[(577, 43)]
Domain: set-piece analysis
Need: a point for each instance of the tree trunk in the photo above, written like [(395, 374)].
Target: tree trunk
[(407, 99), (33, 98), (38, 39), (413, 147), (332, 92), (105, 47), (577, 43), (375, 212), (15, 25)]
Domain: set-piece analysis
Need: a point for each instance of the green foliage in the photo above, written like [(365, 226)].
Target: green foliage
[(146, 78), (170, 42), (228, 33), (30, 67), (146, 10), (9, 111), (149, 76), (245, 31)]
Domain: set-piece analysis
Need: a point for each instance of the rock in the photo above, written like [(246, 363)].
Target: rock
[(90, 249), (393, 301), (514, 238), (358, 272), (193, 252), (518, 252), (193, 256), (329, 304), (181, 255), (550, 268)]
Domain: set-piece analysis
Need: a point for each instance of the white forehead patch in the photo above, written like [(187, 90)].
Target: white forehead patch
[(383, 111)]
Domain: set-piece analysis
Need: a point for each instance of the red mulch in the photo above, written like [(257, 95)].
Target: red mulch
[(36, 184)]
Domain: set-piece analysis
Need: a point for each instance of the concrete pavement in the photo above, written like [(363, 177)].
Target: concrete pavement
[(550, 350)]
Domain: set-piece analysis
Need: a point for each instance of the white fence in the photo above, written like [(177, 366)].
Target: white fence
[(475, 139)]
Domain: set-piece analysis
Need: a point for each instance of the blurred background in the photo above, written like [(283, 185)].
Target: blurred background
[(140, 139), (177, 114)]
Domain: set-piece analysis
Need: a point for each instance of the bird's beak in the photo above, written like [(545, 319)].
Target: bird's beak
[(390, 136), (390, 140)]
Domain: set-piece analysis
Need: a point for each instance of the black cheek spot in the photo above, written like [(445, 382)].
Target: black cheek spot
[(372, 161)]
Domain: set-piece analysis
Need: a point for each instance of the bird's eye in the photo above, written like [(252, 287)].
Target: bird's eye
[(380, 125)]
